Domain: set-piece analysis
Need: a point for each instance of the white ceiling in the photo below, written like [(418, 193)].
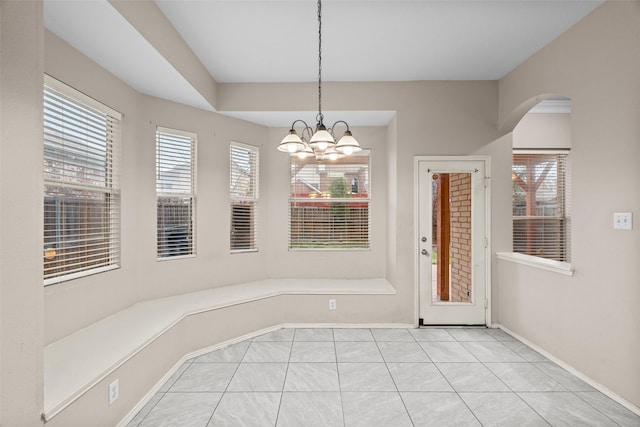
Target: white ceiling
[(277, 41), (392, 40)]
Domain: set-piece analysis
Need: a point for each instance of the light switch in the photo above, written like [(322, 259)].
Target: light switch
[(622, 221)]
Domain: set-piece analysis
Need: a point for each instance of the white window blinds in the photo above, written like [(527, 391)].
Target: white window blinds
[(243, 192), (329, 203), (81, 191), (175, 191), (541, 221)]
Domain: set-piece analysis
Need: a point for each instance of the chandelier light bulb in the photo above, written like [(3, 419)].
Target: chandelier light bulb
[(303, 154), (291, 143), (347, 144)]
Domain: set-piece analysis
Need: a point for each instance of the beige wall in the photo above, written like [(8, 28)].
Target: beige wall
[(432, 118), (591, 320), (21, 189), (392, 198), (543, 130)]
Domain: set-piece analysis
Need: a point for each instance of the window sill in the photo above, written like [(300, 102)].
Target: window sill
[(537, 262), (80, 274), (175, 257), (330, 249), (243, 251)]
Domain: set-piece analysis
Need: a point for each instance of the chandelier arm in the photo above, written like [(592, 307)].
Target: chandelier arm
[(309, 131), (301, 121), (339, 121)]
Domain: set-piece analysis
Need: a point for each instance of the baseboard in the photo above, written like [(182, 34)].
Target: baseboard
[(154, 390), (349, 325), (602, 389), (231, 342)]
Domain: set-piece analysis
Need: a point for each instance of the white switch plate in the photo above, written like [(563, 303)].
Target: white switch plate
[(114, 391), (622, 221), (332, 304)]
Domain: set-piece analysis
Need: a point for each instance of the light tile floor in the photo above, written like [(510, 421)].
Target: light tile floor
[(378, 377)]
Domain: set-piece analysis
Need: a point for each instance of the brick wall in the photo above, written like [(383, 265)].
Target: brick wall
[(460, 196)]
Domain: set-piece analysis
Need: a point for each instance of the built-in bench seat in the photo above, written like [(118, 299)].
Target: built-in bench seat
[(77, 362)]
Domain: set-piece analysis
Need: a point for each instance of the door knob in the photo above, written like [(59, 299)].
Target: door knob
[(424, 239), (424, 252)]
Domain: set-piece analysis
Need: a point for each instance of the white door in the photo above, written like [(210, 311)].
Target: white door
[(452, 242)]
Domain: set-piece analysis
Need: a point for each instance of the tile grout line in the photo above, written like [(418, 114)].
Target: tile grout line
[(404, 405), (515, 392), (187, 362), (224, 392), (335, 350), (532, 408), (573, 392), (453, 388), (147, 414), (284, 383)]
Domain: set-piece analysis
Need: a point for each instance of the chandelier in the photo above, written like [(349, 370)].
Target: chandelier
[(320, 143)]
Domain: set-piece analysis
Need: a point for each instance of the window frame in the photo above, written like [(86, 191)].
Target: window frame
[(564, 219), (328, 247), (110, 189), (245, 201), (192, 194)]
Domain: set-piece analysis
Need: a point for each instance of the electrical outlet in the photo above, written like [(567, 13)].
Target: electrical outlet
[(114, 391), (332, 304)]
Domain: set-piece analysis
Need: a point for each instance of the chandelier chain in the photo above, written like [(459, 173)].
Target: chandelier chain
[(320, 143), (320, 116)]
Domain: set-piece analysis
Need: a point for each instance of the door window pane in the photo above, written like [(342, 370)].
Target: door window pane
[(451, 247)]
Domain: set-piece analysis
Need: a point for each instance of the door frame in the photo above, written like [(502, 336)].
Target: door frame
[(416, 227)]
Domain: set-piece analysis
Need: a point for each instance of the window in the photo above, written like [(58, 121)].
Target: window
[(329, 203), (81, 193), (541, 224), (243, 192), (175, 191)]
